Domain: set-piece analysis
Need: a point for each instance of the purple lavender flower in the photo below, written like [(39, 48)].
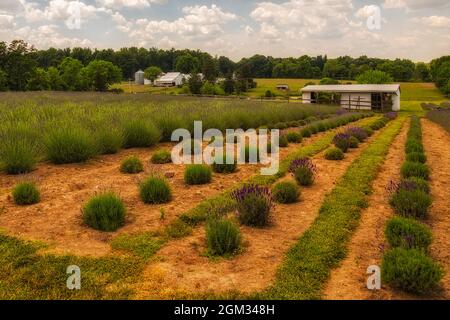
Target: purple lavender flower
[(391, 115), (302, 163), (341, 112), (394, 187), (251, 189), (358, 133)]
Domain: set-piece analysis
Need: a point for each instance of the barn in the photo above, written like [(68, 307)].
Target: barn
[(382, 97), (170, 79)]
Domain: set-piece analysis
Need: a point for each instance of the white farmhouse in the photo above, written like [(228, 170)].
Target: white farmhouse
[(383, 97), (170, 79)]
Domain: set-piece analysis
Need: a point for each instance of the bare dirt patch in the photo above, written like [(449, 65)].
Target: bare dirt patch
[(181, 269), (366, 246)]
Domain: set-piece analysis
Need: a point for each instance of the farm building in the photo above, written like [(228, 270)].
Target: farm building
[(381, 97), (170, 79), (139, 77), (282, 87)]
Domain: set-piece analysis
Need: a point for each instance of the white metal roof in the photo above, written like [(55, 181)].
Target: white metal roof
[(170, 76), (366, 88)]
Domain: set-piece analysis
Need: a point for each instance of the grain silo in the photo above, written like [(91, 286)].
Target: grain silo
[(139, 77)]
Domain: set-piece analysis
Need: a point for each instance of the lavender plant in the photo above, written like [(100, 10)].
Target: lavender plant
[(303, 170), (254, 203)]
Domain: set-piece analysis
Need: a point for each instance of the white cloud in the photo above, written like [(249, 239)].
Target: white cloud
[(302, 18), (117, 4), (434, 21), (414, 4), (199, 22), (6, 21), (59, 10), (48, 36)]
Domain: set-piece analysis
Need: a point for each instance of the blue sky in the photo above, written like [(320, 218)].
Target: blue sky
[(414, 29)]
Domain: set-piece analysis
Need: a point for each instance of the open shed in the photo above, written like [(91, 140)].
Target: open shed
[(383, 97)]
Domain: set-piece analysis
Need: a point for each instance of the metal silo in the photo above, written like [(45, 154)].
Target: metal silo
[(139, 77)]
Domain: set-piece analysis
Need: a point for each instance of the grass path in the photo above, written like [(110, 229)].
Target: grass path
[(308, 264)]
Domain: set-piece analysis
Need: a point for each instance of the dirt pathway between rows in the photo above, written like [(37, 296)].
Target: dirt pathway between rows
[(348, 281), (180, 269), (57, 219), (437, 147)]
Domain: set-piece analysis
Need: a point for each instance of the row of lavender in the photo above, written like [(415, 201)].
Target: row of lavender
[(406, 265)]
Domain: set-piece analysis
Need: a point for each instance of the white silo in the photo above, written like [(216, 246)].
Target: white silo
[(139, 77)]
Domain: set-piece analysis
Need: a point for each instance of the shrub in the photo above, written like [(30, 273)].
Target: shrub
[(253, 205), (26, 193), (419, 184), (105, 212), (368, 131), (283, 141), (407, 233), (224, 167), (313, 128), (358, 133), (391, 115), (342, 141), (69, 145), (294, 137), (109, 141), (413, 145), (131, 165), (285, 192), (321, 127), (17, 156), (306, 132), (140, 134), (197, 174), (414, 169), (410, 270), (414, 203), (161, 157), (155, 190), (303, 170), (222, 237), (353, 142), (416, 157), (334, 154), (409, 184)]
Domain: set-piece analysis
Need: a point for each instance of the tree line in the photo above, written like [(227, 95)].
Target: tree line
[(22, 67)]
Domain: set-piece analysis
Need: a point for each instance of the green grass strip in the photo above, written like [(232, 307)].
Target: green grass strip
[(308, 264), (26, 274)]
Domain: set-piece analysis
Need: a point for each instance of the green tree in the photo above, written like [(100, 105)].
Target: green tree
[(70, 70), (186, 64), (55, 81), (209, 69), (374, 77), (443, 77), (152, 73), (422, 72), (38, 80), (228, 85), (19, 64), (226, 66), (3, 80), (195, 83), (101, 74)]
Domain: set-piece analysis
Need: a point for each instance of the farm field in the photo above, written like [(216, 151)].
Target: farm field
[(318, 246)]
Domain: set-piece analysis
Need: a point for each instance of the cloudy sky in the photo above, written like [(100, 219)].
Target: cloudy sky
[(414, 29)]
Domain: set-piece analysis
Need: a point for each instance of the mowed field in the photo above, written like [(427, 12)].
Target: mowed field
[(71, 147)]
